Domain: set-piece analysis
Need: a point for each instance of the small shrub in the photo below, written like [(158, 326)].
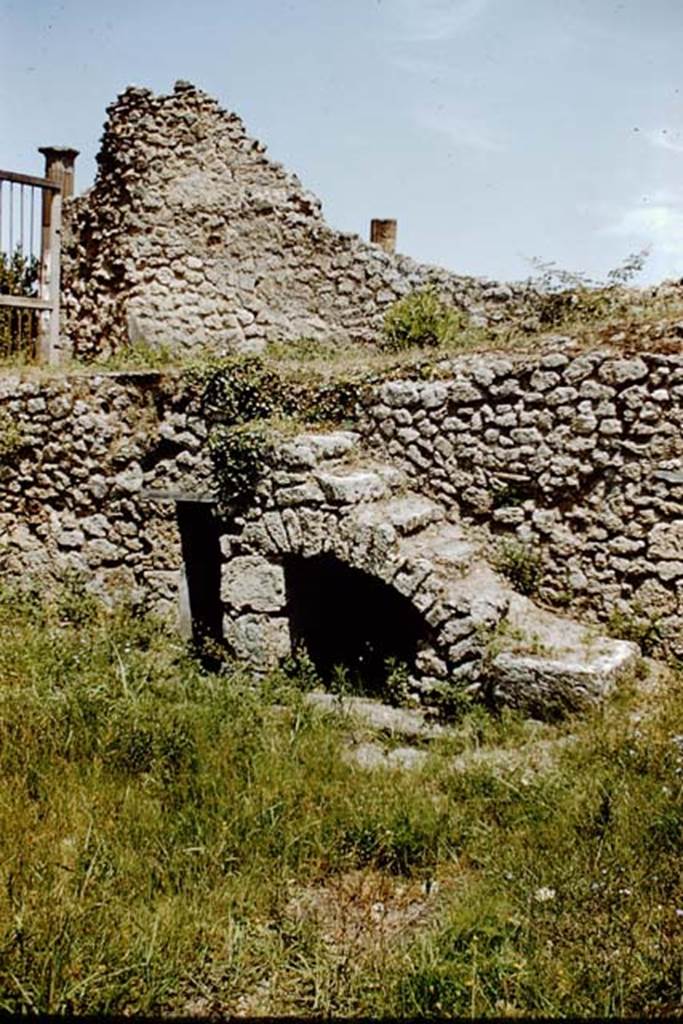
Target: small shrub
[(423, 320), (638, 627), (239, 389), (396, 688), (10, 437), (452, 702), (239, 455), (521, 564), (563, 296), (75, 605)]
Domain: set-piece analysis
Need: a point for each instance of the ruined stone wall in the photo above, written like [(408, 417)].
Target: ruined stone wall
[(192, 238), (577, 457), (75, 455)]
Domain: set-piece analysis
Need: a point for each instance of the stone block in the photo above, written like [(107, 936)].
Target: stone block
[(253, 583), (349, 488), (622, 371), (666, 541), (259, 640)]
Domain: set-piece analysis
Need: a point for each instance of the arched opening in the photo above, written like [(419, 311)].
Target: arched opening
[(344, 617)]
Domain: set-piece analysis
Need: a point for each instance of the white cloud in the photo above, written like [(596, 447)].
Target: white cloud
[(460, 128), (658, 224), (664, 139), (431, 21)]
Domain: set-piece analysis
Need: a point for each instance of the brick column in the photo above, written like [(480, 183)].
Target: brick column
[(383, 233)]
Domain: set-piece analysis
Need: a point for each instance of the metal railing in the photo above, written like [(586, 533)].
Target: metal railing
[(30, 255)]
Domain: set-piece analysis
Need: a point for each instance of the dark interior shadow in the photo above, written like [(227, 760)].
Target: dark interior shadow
[(200, 540), (344, 617)]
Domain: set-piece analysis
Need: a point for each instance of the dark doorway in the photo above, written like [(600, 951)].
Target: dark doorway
[(200, 541), (345, 617)]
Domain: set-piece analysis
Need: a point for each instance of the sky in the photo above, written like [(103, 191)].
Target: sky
[(494, 131)]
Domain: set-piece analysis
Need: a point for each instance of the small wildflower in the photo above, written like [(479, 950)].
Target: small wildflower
[(544, 894), (377, 911), (679, 911)]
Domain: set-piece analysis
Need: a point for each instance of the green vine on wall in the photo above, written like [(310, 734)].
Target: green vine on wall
[(242, 396), (11, 438), (239, 389), (239, 455)]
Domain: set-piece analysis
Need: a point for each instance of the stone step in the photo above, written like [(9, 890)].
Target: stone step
[(398, 722), (369, 756), (481, 636), (356, 485), (411, 512), (406, 514), (481, 593), (549, 664), (306, 451), (444, 544), (531, 759)]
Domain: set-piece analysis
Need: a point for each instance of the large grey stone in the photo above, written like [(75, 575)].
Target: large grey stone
[(332, 445), (666, 541), (411, 513), (622, 371), (349, 488), (254, 583), (550, 664), (259, 640), (370, 756)]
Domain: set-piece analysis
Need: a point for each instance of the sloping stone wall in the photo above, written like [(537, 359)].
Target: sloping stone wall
[(192, 238)]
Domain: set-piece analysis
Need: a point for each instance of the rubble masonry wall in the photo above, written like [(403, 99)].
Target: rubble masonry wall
[(577, 458)]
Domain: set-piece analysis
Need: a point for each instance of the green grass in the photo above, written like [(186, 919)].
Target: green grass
[(174, 841)]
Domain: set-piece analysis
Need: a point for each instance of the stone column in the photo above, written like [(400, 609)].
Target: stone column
[(383, 233)]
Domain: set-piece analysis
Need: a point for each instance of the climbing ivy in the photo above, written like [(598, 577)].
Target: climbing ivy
[(239, 455), (338, 401), (241, 396), (239, 389), (11, 438)]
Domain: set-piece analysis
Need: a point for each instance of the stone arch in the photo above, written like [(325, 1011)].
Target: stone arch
[(258, 624), (346, 617)]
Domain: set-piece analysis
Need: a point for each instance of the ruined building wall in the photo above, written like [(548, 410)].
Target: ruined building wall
[(75, 454), (576, 458), (579, 457), (192, 238)]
